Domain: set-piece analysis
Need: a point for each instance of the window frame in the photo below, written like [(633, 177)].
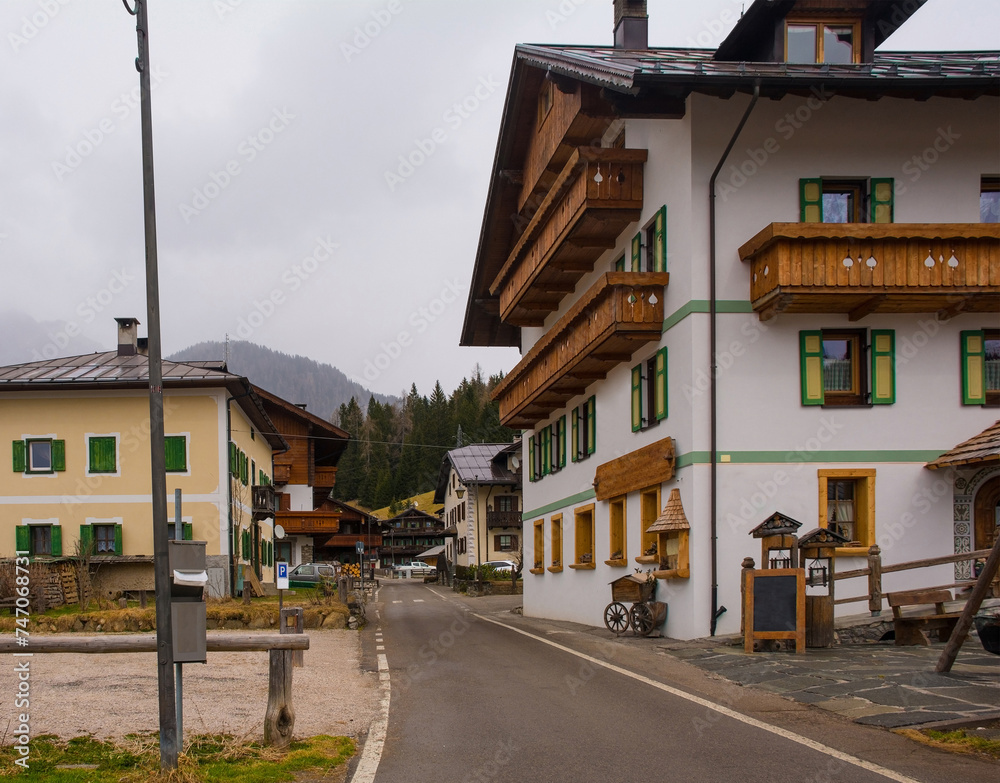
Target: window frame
[(556, 537), (864, 505), (649, 510), (869, 204), (617, 532), (989, 184), (583, 535), (820, 22), (28, 461), (873, 368), (538, 555)]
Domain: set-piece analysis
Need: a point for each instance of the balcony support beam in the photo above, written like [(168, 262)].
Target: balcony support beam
[(866, 308)]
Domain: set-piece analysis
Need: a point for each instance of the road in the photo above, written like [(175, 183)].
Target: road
[(476, 693)]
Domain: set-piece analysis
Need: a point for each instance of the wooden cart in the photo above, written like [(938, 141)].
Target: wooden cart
[(644, 615)]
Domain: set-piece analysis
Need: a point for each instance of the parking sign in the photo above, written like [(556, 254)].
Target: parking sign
[(281, 575), (359, 546)]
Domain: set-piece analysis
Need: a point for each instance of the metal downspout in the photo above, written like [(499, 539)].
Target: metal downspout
[(717, 611)]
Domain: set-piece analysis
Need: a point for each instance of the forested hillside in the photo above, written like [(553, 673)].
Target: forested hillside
[(397, 449), (297, 379)]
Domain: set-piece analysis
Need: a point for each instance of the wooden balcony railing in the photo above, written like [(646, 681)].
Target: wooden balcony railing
[(309, 522), (351, 539), (263, 501), (324, 476), (282, 473), (596, 195), (863, 268), (503, 519), (621, 312)]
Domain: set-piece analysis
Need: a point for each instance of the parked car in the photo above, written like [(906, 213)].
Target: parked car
[(414, 568), (310, 574), (500, 565)]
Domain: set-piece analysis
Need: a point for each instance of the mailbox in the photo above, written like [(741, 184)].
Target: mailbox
[(188, 578)]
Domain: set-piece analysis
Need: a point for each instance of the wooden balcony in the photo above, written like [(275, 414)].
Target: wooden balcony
[(863, 268), (263, 501), (503, 519), (324, 476), (308, 522), (282, 473), (621, 312), (351, 539), (596, 195)]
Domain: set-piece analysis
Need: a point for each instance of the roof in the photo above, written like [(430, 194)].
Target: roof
[(981, 449), (108, 370), (478, 464), (776, 524), (672, 517), (332, 440)]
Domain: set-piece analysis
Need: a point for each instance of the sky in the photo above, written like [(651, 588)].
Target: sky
[(321, 167)]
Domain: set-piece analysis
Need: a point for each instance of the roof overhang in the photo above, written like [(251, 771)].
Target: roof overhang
[(979, 451)]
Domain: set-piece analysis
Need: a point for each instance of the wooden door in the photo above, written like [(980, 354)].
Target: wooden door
[(987, 513)]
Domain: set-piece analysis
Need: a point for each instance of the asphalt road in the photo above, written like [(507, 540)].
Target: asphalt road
[(476, 693)]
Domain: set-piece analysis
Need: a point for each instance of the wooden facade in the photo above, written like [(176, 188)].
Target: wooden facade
[(621, 312), (308, 523), (595, 196), (863, 268)]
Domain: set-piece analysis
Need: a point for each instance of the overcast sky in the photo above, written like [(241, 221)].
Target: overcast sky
[(288, 213)]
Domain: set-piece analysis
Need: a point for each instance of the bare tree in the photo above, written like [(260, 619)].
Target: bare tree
[(515, 572), (82, 554)]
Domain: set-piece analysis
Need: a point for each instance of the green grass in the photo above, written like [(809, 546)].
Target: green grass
[(958, 741), (207, 759)]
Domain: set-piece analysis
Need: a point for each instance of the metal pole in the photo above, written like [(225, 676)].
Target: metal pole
[(164, 636), (179, 667)]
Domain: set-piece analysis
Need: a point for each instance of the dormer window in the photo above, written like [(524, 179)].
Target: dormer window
[(819, 41)]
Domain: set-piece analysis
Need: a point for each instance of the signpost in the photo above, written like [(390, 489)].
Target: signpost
[(359, 547), (281, 580)]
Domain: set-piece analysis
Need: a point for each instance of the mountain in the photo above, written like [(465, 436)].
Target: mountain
[(322, 387)]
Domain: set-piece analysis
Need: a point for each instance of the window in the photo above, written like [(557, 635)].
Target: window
[(103, 454), (505, 543), (649, 391), (822, 41), (556, 529), (656, 242), (175, 448), (981, 367), (616, 516), (546, 97), (829, 200), (847, 505), (186, 531), (39, 455), (539, 529), (507, 503), (39, 539), (102, 538), (619, 265), (835, 371), (584, 430), (584, 537), (989, 200), (557, 440), (649, 510)]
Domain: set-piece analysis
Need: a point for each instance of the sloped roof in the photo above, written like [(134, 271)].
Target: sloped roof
[(476, 463), (672, 517), (981, 449)]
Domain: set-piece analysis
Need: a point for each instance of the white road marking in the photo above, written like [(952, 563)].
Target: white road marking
[(397, 602), (418, 600), (789, 735), (375, 742), (379, 646)]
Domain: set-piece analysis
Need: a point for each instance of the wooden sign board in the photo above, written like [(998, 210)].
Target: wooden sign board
[(652, 464), (774, 606)]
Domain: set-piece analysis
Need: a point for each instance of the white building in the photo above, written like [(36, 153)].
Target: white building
[(659, 241)]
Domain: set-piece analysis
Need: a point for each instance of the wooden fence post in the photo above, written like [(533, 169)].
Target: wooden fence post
[(875, 580), (279, 718)]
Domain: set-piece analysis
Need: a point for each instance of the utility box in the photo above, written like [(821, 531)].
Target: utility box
[(188, 579)]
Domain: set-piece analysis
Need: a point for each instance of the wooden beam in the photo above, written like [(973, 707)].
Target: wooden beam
[(129, 643), (867, 307), (279, 717), (513, 176), (614, 357), (592, 243), (953, 309), (652, 464)]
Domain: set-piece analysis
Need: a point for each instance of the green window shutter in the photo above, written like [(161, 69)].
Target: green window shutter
[(562, 442), (232, 458), (545, 443), (102, 455), (59, 455), (246, 544), (660, 406), (881, 200), (883, 366), (637, 253), (973, 368), (620, 264), (531, 458), (660, 240), (175, 453), (811, 367), (187, 531), (811, 200), (56, 541), (20, 457), (637, 398), (574, 435), (22, 537), (591, 425), (119, 549), (86, 539)]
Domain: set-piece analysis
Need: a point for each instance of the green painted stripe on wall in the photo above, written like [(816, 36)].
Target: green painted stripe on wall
[(773, 457), (701, 306), (528, 516)]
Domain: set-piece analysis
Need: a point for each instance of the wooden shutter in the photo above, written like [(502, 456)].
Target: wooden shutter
[(175, 452), (187, 531), (86, 539), (591, 425), (574, 435), (660, 240), (232, 459), (19, 456), (637, 253), (811, 366), (102, 455), (56, 533), (119, 549), (562, 444), (881, 200), (531, 458), (660, 406), (22, 537), (973, 368), (59, 455), (811, 200), (883, 366), (545, 444), (637, 397)]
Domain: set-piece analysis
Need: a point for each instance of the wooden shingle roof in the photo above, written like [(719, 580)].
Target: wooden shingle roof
[(981, 449), (672, 517)]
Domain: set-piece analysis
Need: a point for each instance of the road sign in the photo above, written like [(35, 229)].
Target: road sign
[(281, 575), (360, 547)]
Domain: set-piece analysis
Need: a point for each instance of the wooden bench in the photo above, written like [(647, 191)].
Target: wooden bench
[(910, 629)]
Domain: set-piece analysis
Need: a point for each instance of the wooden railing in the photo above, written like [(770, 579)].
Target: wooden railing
[(503, 519), (621, 312), (596, 195), (309, 522), (263, 501), (863, 268), (324, 476)]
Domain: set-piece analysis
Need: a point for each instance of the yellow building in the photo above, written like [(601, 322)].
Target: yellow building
[(79, 476)]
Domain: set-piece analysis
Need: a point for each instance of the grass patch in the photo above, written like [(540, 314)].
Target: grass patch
[(207, 759), (958, 741)]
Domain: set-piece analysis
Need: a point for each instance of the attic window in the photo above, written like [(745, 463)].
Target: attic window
[(819, 41), (545, 99)]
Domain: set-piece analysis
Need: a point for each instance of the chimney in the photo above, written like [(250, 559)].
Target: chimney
[(128, 336), (631, 24)]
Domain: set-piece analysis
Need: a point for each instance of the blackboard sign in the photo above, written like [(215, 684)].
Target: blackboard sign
[(774, 606)]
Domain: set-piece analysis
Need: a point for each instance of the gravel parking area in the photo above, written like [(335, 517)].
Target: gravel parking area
[(109, 696)]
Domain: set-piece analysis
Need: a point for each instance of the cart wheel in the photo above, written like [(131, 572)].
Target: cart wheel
[(616, 618), (641, 618)]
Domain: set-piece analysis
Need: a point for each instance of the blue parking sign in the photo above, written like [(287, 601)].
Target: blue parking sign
[(281, 575)]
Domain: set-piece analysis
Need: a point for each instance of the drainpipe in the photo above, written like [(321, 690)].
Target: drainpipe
[(717, 611)]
